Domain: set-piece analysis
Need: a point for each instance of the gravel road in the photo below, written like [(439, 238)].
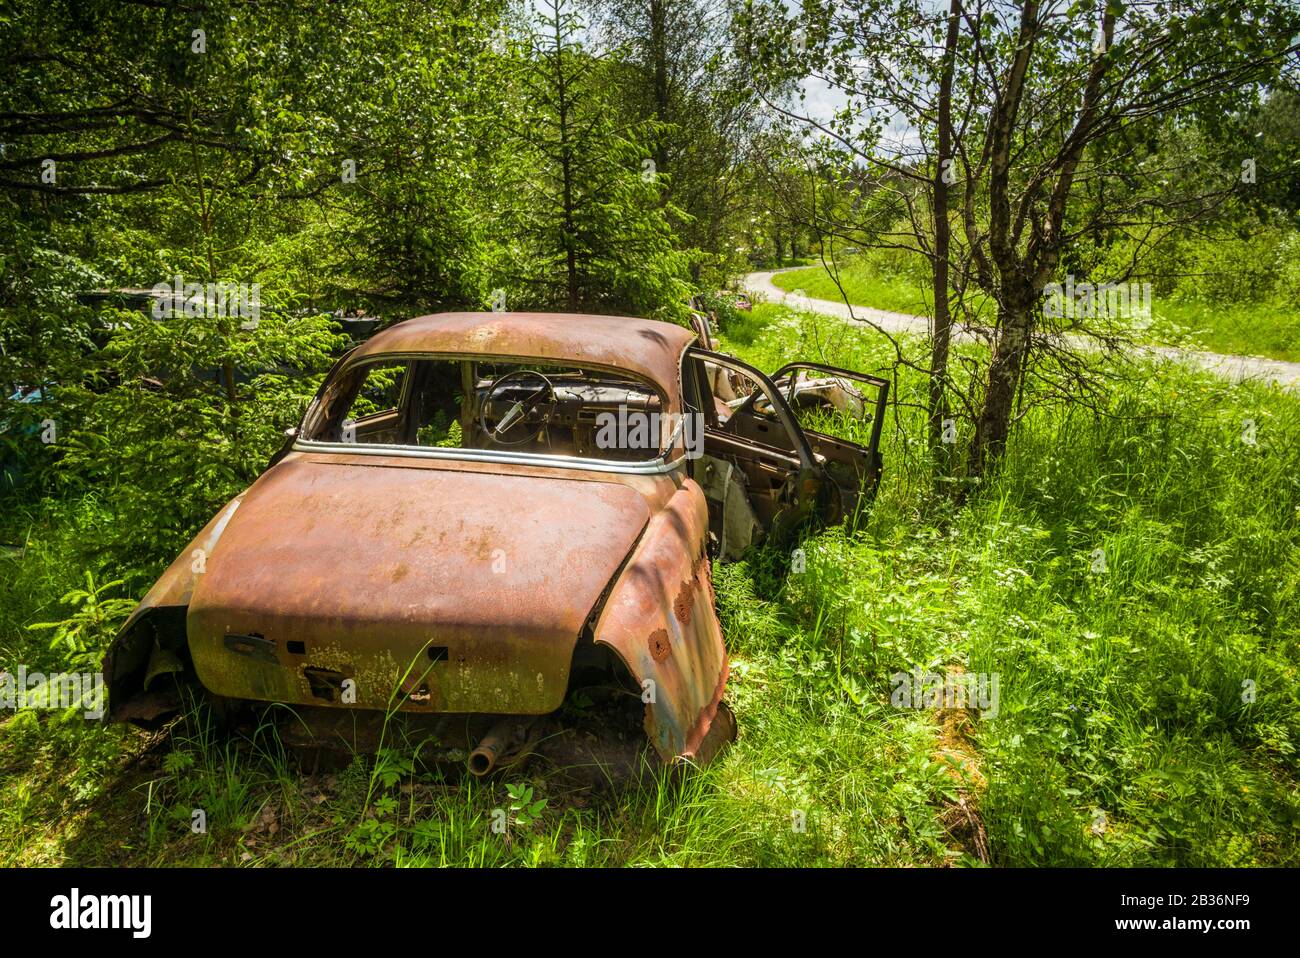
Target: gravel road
[(1233, 368)]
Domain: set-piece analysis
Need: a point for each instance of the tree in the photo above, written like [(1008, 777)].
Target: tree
[(592, 231), (1053, 100), (406, 154), (679, 69)]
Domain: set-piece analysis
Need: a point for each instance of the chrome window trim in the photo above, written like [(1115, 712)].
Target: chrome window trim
[(649, 467)]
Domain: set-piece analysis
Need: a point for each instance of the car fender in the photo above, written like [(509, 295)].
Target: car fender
[(158, 623), (661, 621)]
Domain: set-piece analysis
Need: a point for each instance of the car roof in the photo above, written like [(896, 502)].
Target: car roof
[(649, 348)]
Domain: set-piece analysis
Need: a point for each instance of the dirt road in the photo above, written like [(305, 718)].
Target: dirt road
[(1233, 368)]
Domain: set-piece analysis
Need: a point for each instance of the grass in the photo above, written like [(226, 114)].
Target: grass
[(1147, 710), (1263, 329), (1266, 329), (862, 286)]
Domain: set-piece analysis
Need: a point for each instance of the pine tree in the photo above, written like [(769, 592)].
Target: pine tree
[(587, 212)]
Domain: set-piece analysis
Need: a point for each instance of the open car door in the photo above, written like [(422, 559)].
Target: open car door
[(841, 413), (758, 473), (761, 469)]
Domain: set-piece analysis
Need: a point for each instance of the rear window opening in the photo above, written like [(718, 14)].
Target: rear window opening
[(458, 403)]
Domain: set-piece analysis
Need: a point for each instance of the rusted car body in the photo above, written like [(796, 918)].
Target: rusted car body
[(493, 564)]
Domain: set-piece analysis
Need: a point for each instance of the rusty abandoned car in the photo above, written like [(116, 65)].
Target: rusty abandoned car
[(483, 513)]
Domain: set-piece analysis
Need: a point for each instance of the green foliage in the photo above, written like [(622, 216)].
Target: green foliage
[(165, 442), (523, 809), (678, 68), (722, 306), (590, 230), (1135, 691), (83, 636)]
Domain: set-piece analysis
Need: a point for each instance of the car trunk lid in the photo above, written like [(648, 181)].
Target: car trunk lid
[(339, 582)]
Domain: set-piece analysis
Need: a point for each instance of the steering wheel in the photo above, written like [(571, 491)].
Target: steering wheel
[(510, 428)]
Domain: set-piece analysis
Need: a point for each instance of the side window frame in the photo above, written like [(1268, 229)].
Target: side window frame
[(879, 405), (799, 441)]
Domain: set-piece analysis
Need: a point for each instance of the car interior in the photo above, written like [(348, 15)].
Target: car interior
[(533, 407), (755, 448)]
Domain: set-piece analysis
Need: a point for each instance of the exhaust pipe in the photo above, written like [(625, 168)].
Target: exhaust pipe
[(484, 757), (506, 742)]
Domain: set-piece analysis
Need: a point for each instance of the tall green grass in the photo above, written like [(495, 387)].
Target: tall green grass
[(1134, 726), (1269, 328), (1148, 713)]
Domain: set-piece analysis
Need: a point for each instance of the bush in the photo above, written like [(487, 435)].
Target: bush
[(155, 433)]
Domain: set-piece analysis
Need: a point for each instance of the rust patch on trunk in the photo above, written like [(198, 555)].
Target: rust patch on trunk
[(685, 600), (354, 561), (660, 648)]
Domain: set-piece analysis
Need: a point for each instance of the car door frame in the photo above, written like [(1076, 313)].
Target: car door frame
[(806, 475), (873, 464)]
